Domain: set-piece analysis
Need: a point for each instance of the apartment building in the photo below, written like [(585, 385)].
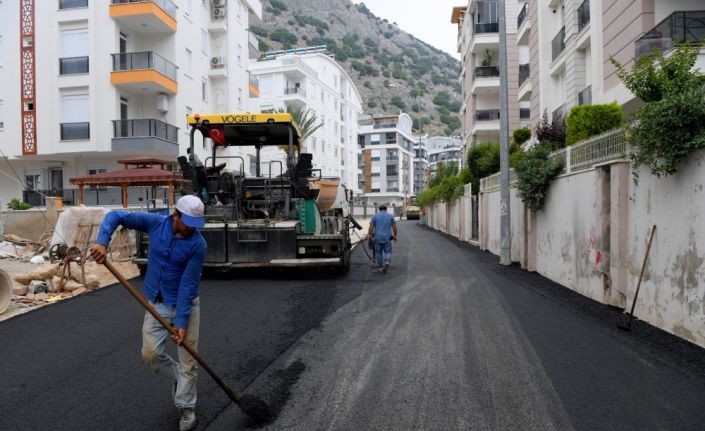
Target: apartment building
[(443, 149), (89, 82), (387, 157), (570, 43), (420, 164), (478, 44), (311, 80)]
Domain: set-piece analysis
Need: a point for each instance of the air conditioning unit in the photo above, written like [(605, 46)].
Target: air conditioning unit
[(218, 3), (218, 12), (217, 62)]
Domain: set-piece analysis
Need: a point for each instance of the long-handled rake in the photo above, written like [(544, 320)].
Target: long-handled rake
[(628, 326), (251, 405)]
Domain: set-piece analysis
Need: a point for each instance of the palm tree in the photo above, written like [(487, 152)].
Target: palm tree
[(305, 119)]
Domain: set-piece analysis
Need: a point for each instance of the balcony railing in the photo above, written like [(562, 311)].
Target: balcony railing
[(144, 60), (167, 6), (486, 72), (72, 4), (679, 27), (145, 128), (522, 14), (487, 27), (73, 65), (524, 70), (75, 131), (558, 44), (487, 114), (583, 14), (585, 96), (294, 90)]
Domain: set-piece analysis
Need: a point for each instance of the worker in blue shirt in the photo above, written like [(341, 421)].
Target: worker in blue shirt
[(174, 262), (383, 230)]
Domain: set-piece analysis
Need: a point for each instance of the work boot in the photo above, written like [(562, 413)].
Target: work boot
[(188, 419), (385, 267)]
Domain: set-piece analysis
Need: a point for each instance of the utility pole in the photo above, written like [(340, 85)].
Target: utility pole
[(505, 256)]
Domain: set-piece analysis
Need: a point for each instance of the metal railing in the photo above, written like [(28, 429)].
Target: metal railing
[(294, 90), (522, 14), (167, 6), (144, 60), (524, 70), (679, 27), (486, 72), (585, 96), (75, 131), (73, 65), (558, 44), (584, 155), (486, 27), (487, 114), (145, 128), (583, 14), (72, 4)]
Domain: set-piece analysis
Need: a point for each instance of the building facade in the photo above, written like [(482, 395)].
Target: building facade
[(387, 158), (91, 82), (311, 80), (478, 45), (442, 149), (420, 164)]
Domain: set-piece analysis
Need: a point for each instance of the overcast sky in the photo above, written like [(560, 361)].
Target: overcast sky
[(428, 20)]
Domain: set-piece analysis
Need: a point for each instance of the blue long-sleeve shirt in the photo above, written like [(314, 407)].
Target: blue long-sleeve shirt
[(173, 264)]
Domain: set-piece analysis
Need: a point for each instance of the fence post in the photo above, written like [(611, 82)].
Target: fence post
[(567, 159)]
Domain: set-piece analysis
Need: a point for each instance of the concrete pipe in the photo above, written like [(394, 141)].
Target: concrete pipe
[(5, 291)]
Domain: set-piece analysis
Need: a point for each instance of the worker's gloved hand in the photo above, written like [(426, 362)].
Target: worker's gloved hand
[(179, 337), (99, 253)]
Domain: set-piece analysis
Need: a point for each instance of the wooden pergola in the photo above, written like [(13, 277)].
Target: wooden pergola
[(138, 172)]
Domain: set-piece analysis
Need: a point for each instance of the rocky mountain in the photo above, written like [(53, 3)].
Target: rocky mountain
[(392, 69)]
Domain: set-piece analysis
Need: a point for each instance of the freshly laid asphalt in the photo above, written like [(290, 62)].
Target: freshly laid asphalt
[(447, 339)]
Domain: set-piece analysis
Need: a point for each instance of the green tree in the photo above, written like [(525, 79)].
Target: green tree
[(535, 170), (585, 121), (284, 36), (670, 126), (305, 119)]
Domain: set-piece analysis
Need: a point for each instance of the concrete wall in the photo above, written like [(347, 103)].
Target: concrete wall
[(592, 233)]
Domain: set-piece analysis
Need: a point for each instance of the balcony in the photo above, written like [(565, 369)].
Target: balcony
[(522, 15), (524, 70), (486, 27), (294, 96), (73, 65), (75, 131), (145, 16), (252, 46), (486, 72), (583, 14), (486, 37), (72, 4), (147, 136), (143, 72), (253, 86), (585, 96), (679, 27), (487, 115), (558, 44)]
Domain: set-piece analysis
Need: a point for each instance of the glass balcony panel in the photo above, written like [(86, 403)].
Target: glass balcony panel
[(524, 70), (486, 72), (583, 14), (73, 65), (522, 14), (144, 60), (558, 44), (75, 131), (72, 4), (679, 27), (487, 114), (486, 27)]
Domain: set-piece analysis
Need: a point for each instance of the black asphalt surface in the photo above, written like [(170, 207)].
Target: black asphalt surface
[(448, 339)]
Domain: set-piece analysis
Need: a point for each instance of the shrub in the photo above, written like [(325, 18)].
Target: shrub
[(552, 132), (535, 170), (396, 101), (16, 204), (442, 99), (278, 5), (521, 135), (585, 121), (259, 31), (284, 36)]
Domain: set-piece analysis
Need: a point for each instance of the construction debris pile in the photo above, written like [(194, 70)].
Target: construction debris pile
[(58, 266)]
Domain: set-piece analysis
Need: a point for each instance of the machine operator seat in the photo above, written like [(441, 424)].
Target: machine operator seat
[(215, 170)]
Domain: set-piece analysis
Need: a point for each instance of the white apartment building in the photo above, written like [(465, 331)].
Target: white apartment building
[(420, 164), (387, 159), (309, 79), (478, 44), (89, 82), (443, 149), (570, 43)]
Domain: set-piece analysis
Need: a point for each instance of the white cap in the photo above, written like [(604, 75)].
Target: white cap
[(191, 209)]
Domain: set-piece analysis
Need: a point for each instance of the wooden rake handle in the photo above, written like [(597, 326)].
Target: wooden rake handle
[(151, 310)]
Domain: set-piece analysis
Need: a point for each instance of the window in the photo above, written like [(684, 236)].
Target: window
[(204, 89), (391, 138), (75, 124), (189, 63), (93, 171), (74, 51)]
